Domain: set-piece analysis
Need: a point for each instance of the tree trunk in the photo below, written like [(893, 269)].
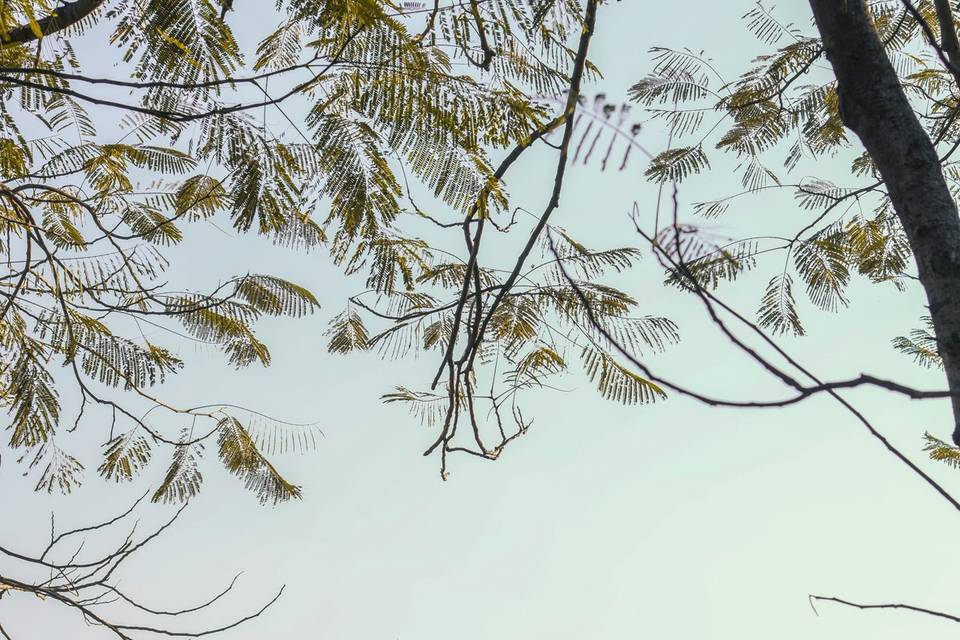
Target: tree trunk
[(874, 106)]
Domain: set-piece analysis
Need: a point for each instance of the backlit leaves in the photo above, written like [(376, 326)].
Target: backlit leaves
[(616, 382), (183, 478), (34, 403), (347, 333), (674, 165), (822, 263), (921, 345), (778, 309), (242, 457), (276, 297), (125, 456), (784, 110), (61, 471), (939, 450), (378, 110)]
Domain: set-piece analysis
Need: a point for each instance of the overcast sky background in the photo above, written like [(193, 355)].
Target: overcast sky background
[(667, 521)]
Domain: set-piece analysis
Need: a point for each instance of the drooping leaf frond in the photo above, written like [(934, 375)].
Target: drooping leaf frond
[(183, 478), (276, 297), (822, 263), (939, 450), (921, 345), (778, 309), (61, 471), (347, 333), (616, 382), (240, 456), (126, 456), (674, 165)]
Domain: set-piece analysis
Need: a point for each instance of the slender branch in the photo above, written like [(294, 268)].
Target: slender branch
[(102, 525), (573, 97), (893, 605)]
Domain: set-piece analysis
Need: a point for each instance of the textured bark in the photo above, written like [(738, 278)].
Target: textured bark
[(874, 106), (948, 33), (67, 15)]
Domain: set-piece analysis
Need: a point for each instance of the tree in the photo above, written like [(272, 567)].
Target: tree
[(771, 114), (379, 117), (101, 176), (86, 236), (379, 100), (904, 154), (894, 85)]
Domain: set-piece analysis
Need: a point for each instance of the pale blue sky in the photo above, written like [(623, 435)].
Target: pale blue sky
[(671, 521)]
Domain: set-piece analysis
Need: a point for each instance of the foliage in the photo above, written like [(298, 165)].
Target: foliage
[(92, 203), (537, 333), (780, 122), (939, 450), (376, 111), (921, 344), (99, 186), (784, 111)]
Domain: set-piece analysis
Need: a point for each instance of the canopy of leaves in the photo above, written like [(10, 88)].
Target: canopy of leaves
[(101, 176), (778, 120)]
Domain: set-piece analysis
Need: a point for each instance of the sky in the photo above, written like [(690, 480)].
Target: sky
[(673, 520)]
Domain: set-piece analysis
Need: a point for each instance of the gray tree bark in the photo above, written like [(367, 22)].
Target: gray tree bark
[(873, 105)]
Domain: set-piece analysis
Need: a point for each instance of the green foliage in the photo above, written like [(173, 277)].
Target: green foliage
[(276, 297), (822, 263), (782, 117), (183, 478), (34, 404), (591, 264), (427, 407), (783, 111), (778, 309), (877, 247), (939, 450), (921, 345), (707, 260), (535, 335), (616, 382), (535, 366), (375, 107), (674, 165), (61, 471), (125, 456), (347, 333), (242, 457)]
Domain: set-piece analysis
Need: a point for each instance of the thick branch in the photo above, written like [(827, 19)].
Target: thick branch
[(68, 15), (948, 32)]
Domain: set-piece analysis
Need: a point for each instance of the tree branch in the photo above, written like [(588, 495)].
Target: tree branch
[(66, 16), (893, 605)]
